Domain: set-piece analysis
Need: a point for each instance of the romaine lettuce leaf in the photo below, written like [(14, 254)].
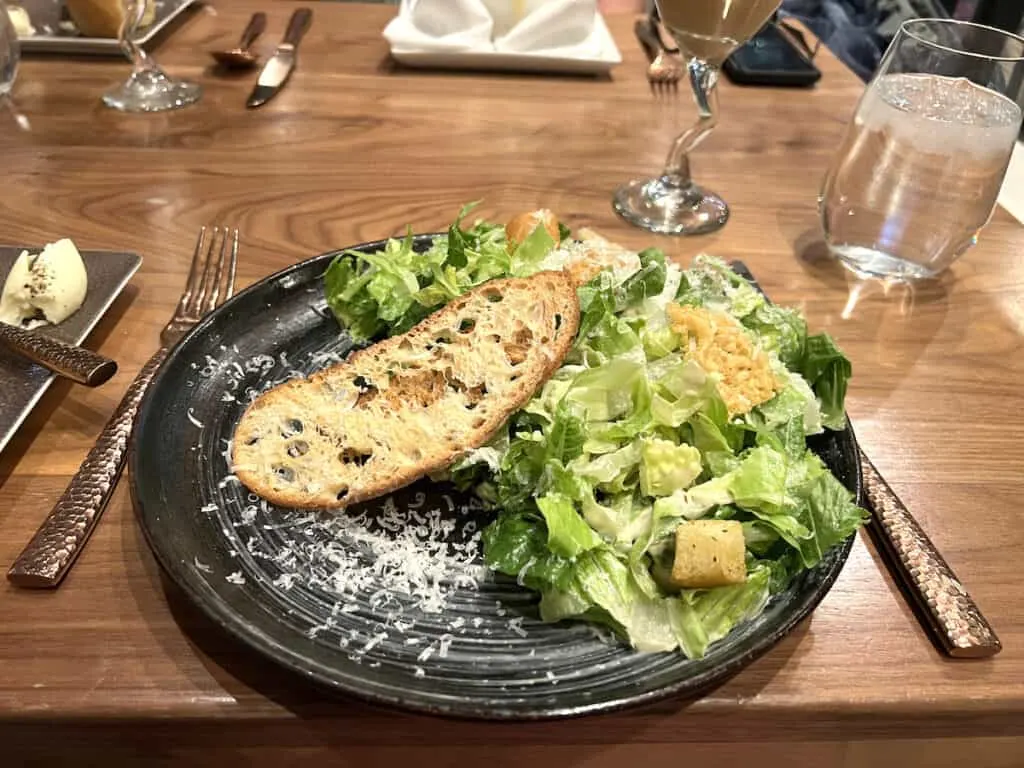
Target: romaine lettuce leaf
[(568, 533), (827, 370)]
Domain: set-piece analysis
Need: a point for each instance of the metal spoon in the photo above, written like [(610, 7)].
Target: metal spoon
[(242, 57)]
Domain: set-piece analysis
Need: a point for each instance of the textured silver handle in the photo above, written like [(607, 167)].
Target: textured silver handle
[(48, 557), (71, 362), (952, 615)]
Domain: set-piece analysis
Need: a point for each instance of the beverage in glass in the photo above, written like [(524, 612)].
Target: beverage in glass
[(919, 169), (707, 31)]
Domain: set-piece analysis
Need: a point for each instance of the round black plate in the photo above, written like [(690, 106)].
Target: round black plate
[(303, 590)]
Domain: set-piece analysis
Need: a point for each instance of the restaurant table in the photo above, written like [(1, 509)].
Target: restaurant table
[(117, 665)]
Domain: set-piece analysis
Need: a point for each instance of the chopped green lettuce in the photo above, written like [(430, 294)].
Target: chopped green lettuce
[(629, 438)]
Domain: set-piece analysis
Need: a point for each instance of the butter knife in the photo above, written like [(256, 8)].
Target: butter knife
[(278, 69), (71, 362)]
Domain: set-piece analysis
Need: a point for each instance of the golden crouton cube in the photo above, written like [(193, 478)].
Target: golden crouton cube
[(709, 553)]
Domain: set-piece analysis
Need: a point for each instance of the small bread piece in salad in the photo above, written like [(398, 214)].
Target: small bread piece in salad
[(521, 227), (709, 553)]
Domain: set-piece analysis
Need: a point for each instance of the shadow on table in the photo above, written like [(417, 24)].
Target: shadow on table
[(388, 66), (336, 720), (892, 324)]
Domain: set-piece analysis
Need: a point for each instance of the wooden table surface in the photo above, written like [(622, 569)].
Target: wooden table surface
[(353, 150)]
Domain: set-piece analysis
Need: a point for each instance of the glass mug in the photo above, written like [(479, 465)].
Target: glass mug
[(919, 169)]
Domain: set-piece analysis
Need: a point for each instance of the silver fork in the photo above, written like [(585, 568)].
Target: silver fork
[(48, 557), (666, 68)]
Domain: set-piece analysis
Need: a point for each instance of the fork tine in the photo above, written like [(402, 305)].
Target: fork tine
[(231, 267), (217, 276), (193, 272), (199, 301)]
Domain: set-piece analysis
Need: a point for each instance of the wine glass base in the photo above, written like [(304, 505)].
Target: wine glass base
[(665, 206), (152, 91)]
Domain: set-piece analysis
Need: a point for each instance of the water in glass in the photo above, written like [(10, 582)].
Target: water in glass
[(917, 174)]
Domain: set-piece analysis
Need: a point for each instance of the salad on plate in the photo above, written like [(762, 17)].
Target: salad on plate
[(660, 482)]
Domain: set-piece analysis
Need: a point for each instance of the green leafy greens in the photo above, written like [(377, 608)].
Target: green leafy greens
[(630, 437)]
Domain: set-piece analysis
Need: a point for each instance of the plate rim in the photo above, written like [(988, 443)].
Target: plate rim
[(256, 640)]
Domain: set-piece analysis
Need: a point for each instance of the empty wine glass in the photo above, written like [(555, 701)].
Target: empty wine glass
[(707, 31), (147, 89)]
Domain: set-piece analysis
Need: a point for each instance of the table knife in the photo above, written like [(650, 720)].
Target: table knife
[(71, 362), (278, 69)]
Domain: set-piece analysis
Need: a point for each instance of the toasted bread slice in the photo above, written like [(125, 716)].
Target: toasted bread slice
[(412, 404)]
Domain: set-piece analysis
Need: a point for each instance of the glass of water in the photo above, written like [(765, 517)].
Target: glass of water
[(917, 174)]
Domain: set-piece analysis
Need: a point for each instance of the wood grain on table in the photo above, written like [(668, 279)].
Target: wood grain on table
[(355, 149)]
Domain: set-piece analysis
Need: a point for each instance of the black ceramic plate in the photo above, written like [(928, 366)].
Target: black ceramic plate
[(305, 589)]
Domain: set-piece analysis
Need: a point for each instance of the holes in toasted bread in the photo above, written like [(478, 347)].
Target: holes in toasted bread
[(558, 321), (253, 440), (515, 377), (291, 427), (355, 456), (517, 349), (298, 448), (466, 325), (494, 297), (443, 338), (342, 493), (478, 422), (287, 474)]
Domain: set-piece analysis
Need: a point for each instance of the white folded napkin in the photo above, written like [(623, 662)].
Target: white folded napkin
[(562, 28)]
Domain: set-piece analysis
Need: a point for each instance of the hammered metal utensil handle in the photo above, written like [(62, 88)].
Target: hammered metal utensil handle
[(952, 615), (60, 539), (71, 362)]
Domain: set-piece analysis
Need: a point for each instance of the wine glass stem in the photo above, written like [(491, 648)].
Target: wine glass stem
[(703, 78), (134, 10)]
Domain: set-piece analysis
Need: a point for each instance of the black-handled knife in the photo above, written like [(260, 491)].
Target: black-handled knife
[(278, 69)]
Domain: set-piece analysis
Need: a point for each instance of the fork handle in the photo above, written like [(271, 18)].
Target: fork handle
[(647, 37), (48, 557)]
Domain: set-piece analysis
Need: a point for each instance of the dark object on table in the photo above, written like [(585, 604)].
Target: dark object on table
[(772, 58), (271, 576)]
